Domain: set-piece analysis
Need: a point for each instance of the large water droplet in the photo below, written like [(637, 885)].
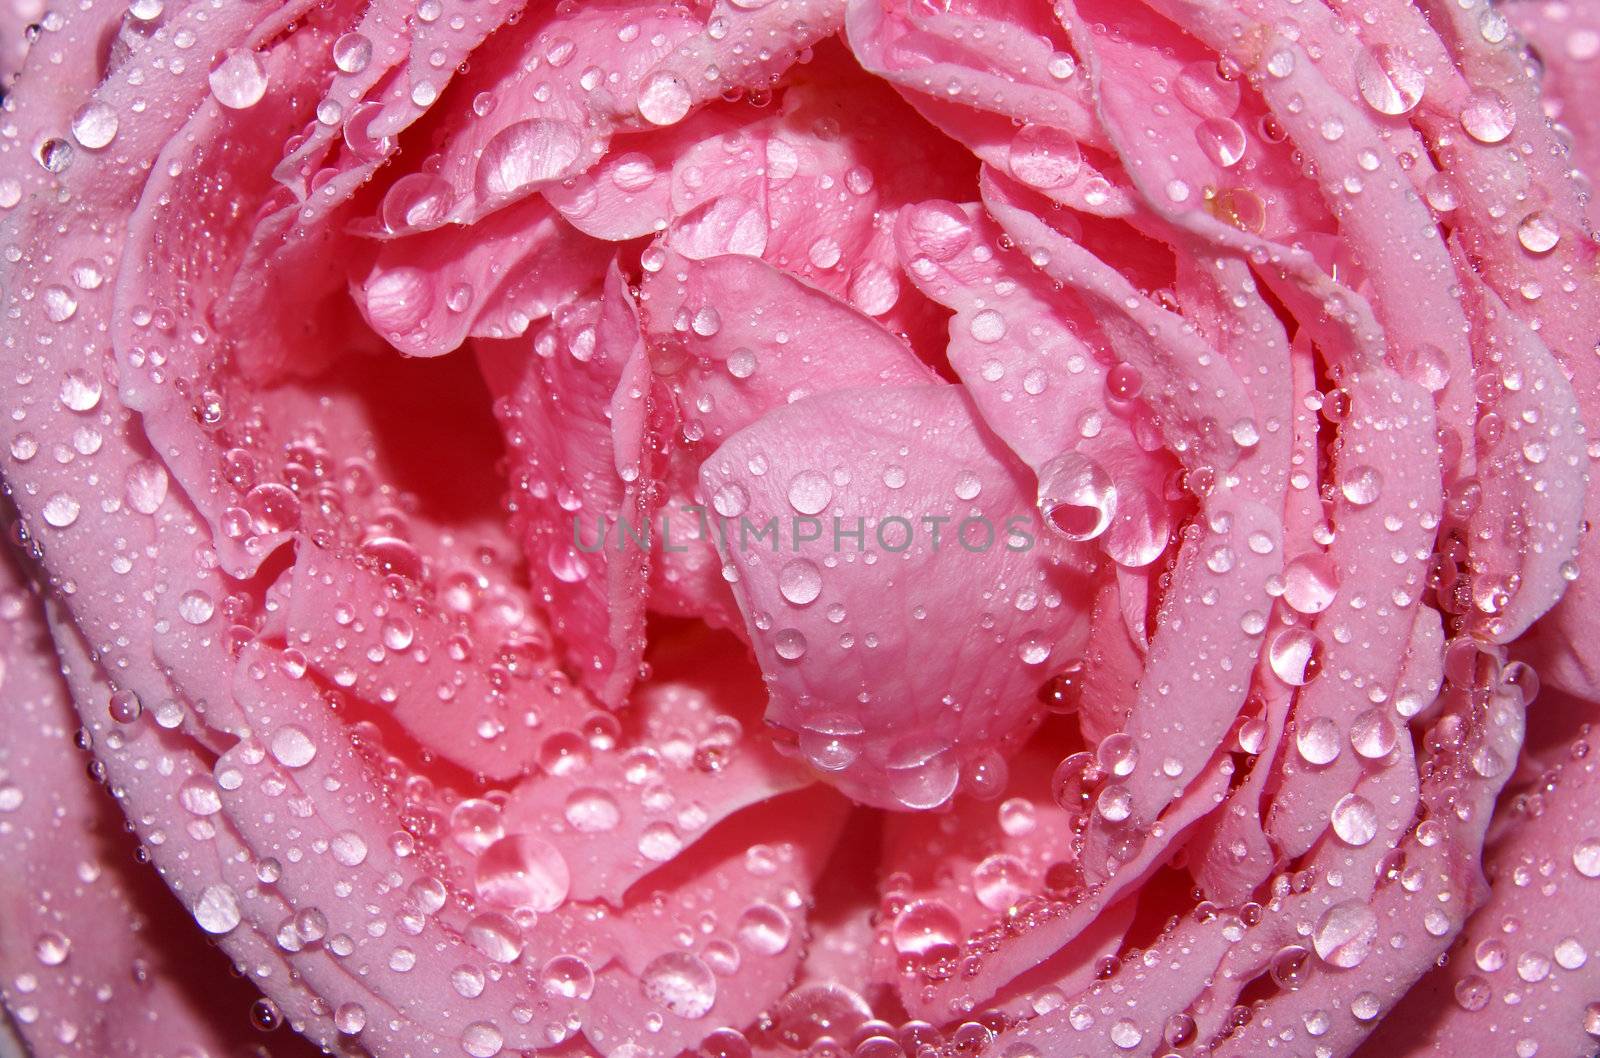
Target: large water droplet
[(527, 153), (764, 929), (522, 871), (1488, 118), (1345, 934), (925, 926), (94, 125), (680, 983), (1389, 80), (239, 81), (800, 581), (664, 99), (1222, 140), (1317, 741), (217, 910), (941, 230), (1361, 486), (810, 492), (1355, 820), (1076, 496), (1295, 654), (1310, 583), (292, 747), (1044, 157), (1539, 232)]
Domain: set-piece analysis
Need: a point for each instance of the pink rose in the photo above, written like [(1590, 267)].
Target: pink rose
[(887, 528)]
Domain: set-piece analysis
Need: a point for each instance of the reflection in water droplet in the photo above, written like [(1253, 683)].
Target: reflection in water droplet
[(1076, 496)]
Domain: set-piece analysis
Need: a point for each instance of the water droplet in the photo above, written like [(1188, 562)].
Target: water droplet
[(60, 305), (495, 936), (350, 1018), (664, 99), (1473, 993), (1295, 654), (987, 326), (567, 977), (1586, 857), (1373, 735), (146, 486), (1361, 486), (94, 125), (1539, 232), (199, 796), (217, 910), (482, 1039), (1222, 140), (940, 230), (1389, 80), (925, 926), (810, 492), (522, 871), (592, 811), (292, 747), (800, 581), (1126, 1035), (1310, 583), (1318, 741), (1355, 821), (1000, 881), (1044, 157), (660, 842), (527, 153), (239, 81), (1076, 496), (348, 848), (764, 929), (1345, 934), (60, 510), (1488, 118), (352, 52), (680, 983)]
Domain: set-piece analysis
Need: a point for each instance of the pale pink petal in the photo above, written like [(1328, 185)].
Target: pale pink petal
[(876, 695), (577, 421), (427, 292)]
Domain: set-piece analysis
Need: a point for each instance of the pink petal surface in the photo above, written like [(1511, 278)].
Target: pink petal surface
[(1258, 334), (836, 643)]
